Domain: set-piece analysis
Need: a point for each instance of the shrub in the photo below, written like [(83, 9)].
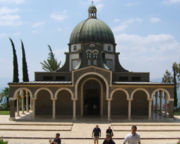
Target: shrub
[(3, 142)]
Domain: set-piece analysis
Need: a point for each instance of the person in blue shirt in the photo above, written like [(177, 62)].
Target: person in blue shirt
[(96, 134), (57, 139)]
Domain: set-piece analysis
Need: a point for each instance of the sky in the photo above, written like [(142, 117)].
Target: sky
[(147, 32)]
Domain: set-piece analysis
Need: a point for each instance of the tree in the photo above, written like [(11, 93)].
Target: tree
[(5, 93), (167, 78), (173, 78), (24, 64), (51, 64), (176, 73), (15, 63)]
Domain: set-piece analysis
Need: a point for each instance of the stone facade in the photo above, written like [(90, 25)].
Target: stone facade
[(92, 82)]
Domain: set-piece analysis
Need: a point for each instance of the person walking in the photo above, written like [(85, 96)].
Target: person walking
[(109, 131), (96, 134), (133, 137), (108, 139)]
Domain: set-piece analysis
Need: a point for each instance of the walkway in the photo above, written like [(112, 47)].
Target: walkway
[(39, 132)]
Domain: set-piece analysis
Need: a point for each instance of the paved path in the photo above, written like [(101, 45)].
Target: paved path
[(80, 132)]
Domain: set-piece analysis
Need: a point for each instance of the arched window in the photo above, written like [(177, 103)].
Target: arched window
[(75, 48), (88, 53), (95, 54)]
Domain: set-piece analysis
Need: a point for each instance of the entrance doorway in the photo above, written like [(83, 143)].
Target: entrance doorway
[(91, 91)]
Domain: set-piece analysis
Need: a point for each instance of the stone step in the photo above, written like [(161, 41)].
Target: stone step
[(90, 138), (44, 141), (37, 124)]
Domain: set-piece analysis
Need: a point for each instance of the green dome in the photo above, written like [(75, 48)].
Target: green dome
[(92, 8), (92, 30)]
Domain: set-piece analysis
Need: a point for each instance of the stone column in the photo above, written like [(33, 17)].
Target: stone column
[(156, 104), (27, 102), (74, 109), (109, 110), (161, 97), (22, 101), (31, 104), (150, 109), (166, 104), (54, 109), (12, 110), (34, 108), (17, 105), (171, 109), (129, 109)]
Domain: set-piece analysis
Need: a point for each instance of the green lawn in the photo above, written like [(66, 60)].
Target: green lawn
[(177, 112), (4, 112)]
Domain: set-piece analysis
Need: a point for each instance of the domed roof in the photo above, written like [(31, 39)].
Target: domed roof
[(92, 30), (92, 8)]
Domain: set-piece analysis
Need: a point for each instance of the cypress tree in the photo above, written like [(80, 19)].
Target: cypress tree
[(15, 63), (175, 72), (24, 64)]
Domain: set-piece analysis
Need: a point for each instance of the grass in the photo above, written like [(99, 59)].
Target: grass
[(177, 112), (4, 112)]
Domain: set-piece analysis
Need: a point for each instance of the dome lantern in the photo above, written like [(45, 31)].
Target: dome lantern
[(92, 11)]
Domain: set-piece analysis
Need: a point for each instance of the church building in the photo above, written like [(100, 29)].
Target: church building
[(92, 83)]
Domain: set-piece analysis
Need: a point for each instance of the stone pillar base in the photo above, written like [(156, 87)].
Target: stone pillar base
[(12, 119)]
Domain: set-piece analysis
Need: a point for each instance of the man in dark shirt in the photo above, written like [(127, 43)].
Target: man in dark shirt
[(57, 140), (96, 134), (108, 139), (109, 131)]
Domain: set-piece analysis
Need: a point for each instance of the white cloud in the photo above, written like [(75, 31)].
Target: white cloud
[(98, 3), (12, 1), (116, 20), (5, 10), (124, 25), (130, 4), (9, 17), (151, 53), (59, 29), (100, 6), (38, 24), (95, 1), (3, 35), (155, 20), (59, 16), (17, 33), (172, 1)]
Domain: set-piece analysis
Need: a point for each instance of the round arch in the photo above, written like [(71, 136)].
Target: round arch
[(19, 89), (40, 89), (119, 89), (82, 97), (160, 89), (63, 89), (87, 74), (140, 89)]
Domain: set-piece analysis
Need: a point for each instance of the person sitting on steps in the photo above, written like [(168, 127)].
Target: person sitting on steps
[(57, 139)]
